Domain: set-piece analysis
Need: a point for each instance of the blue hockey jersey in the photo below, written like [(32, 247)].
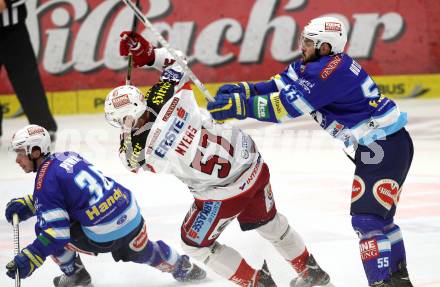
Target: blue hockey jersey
[(337, 92), (68, 189)]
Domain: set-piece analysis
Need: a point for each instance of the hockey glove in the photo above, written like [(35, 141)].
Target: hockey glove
[(136, 45), (23, 207), (228, 106), (244, 87), (25, 262)]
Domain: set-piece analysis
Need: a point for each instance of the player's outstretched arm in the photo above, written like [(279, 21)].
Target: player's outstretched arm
[(237, 100)]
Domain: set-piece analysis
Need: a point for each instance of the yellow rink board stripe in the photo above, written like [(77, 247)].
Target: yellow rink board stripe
[(92, 101)]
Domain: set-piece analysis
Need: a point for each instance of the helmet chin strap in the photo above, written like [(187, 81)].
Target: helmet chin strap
[(34, 161)]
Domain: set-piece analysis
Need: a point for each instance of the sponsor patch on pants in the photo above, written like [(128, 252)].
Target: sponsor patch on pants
[(386, 192), (357, 189), (368, 249), (140, 241)]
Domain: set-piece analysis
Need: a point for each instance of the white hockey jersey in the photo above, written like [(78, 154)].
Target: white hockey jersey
[(216, 161)]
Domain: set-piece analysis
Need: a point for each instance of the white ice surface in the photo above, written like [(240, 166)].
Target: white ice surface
[(311, 179)]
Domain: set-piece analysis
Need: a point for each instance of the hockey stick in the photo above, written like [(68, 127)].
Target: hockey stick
[(167, 46), (16, 244), (130, 57)]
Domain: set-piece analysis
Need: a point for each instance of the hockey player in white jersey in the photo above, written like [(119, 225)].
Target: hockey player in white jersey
[(167, 132)]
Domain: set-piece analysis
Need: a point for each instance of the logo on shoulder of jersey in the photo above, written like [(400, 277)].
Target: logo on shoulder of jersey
[(170, 109), (332, 27), (330, 67), (41, 174), (386, 192), (160, 92), (357, 189)]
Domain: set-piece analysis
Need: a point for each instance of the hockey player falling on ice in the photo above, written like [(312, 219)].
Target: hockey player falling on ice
[(167, 132), (346, 102), (79, 209)]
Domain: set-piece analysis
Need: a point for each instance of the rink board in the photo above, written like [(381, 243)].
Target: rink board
[(92, 101)]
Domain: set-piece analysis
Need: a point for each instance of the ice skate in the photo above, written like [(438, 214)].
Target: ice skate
[(80, 278), (313, 275), (264, 278), (186, 271), (400, 278)]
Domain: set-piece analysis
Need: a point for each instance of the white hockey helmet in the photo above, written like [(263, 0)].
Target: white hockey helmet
[(122, 104), (329, 30), (29, 137)]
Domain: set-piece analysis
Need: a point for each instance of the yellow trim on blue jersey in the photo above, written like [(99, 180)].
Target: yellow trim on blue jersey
[(279, 110), (247, 89), (239, 108)]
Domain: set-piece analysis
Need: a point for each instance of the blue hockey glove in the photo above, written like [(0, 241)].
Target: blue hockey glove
[(246, 88), (231, 101), (228, 106), (23, 207), (25, 262)]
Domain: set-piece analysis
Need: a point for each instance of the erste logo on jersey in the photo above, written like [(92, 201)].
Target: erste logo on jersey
[(172, 133), (121, 101), (386, 192), (357, 189), (330, 67)]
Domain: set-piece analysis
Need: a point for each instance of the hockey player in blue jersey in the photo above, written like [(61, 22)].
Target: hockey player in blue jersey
[(78, 209), (334, 89)]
